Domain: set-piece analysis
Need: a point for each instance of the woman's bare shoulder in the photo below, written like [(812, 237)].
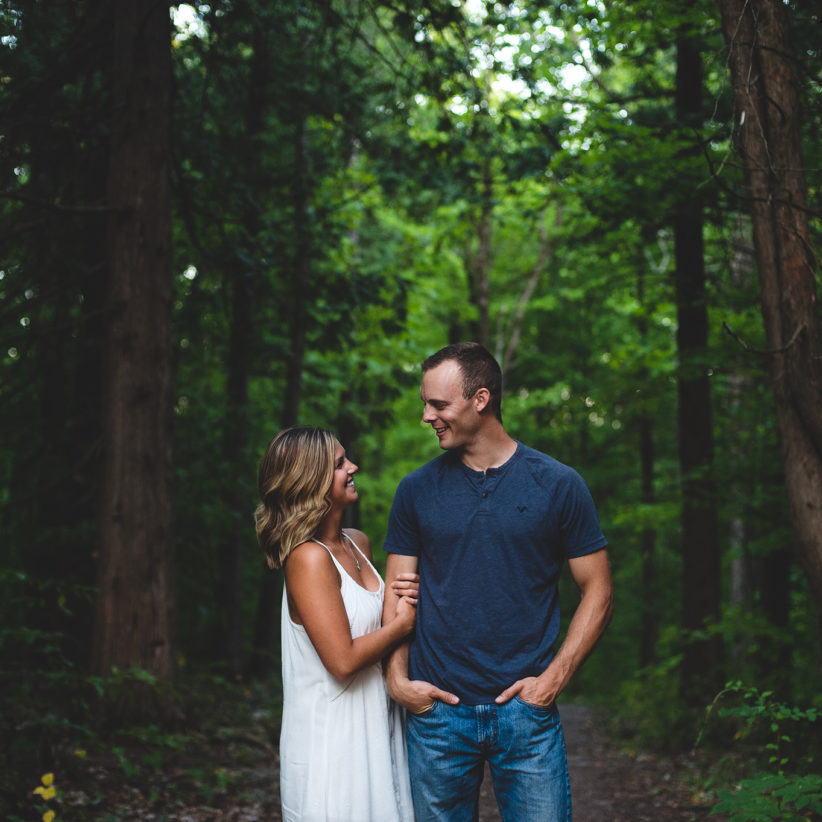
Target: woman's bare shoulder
[(309, 557)]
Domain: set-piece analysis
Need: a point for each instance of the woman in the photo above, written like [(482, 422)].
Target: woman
[(342, 752)]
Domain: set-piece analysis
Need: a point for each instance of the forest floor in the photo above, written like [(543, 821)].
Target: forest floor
[(231, 774)]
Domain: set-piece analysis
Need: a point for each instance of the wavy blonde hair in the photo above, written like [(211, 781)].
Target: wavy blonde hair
[(294, 479)]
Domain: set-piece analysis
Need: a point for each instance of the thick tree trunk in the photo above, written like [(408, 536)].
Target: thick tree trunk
[(701, 593), (768, 139), (134, 622)]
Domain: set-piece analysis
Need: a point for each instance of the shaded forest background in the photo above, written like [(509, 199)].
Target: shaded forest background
[(221, 219)]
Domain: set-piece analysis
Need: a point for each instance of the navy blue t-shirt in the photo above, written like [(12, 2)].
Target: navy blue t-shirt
[(490, 546)]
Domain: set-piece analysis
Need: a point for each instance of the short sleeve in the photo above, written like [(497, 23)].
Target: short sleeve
[(579, 521), (403, 534)]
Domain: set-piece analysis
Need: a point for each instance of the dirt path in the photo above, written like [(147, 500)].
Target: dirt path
[(232, 776), (608, 786)]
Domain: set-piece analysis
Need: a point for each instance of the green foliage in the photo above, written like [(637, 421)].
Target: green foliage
[(646, 709), (766, 797), (211, 781), (773, 725), (781, 743)]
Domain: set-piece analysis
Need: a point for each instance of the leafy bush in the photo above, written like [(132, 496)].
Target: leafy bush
[(765, 797), (782, 742)]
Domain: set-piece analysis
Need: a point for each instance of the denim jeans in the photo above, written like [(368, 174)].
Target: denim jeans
[(523, 745)]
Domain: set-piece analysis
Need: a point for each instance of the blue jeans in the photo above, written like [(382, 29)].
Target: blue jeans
[(523, 745)]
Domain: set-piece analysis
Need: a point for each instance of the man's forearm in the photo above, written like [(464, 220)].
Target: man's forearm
[(587, 627), (593, 577), (396, 667)]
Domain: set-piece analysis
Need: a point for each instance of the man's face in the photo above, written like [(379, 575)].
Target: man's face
[(454, 419)]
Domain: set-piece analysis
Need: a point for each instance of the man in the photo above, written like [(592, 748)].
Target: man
[(487, 525)]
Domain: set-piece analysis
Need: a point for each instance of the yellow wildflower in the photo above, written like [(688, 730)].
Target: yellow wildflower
[(47, 779), (48, 816), (46, 793)]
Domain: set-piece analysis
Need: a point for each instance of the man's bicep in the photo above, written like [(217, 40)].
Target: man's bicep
[(591, 570)]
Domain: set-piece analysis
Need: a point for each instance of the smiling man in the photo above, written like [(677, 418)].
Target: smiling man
[(488, 525)]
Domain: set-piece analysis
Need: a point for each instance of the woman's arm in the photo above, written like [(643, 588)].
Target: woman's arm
[(314, 599)]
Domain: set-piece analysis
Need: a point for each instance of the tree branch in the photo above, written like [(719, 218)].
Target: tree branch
[(767, 351), (60, 209)]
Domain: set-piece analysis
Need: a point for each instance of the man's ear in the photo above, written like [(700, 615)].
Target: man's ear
[(481, 400)]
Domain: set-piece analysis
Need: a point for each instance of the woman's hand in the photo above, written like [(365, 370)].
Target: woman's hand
[(406, 585), (406, 614)]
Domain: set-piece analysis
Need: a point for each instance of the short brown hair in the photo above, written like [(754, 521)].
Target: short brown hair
[(478, 367)]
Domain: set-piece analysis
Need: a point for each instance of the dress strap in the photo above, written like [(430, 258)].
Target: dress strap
[(356, 546), (334, 559), (314, 539)]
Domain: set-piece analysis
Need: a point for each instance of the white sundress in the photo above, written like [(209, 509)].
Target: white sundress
[(342, 745)]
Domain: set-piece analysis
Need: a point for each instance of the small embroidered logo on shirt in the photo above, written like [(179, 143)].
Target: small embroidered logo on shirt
[(522, 508)]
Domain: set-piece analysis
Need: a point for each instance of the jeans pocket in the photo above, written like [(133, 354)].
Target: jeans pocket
[(426, 712), (543, 709)]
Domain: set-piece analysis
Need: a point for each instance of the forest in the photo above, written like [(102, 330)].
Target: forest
[(223, 218)]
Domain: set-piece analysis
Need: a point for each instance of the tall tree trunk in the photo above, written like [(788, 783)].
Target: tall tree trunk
[(509, 331), (650, 608), (267, 618), (478, 265), (302, 252), (768, 139), (235, 424), (134, 621), (235, 438), (701, 593)]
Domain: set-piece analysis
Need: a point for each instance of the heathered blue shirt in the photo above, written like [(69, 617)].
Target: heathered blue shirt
[(490, 548)]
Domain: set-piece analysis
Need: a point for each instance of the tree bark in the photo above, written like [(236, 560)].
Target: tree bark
[(267, 618), (235, 439), (649, 630), (241, 275), (702, 591), (302, 251), (768, 140), (479, 265), (134, 623)]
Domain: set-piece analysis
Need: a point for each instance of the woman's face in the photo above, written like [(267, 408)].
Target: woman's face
[(343, 491)]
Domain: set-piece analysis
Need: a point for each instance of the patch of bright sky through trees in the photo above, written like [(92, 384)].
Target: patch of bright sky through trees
[(498, 57), (509, 48)]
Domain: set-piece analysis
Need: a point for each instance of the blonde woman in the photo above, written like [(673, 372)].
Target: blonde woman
[(342, 750)]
